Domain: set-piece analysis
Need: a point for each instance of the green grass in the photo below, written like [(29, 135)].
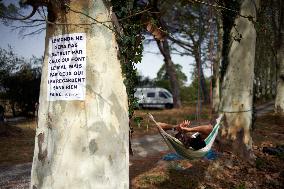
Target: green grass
[(168, 180), (241, 186)]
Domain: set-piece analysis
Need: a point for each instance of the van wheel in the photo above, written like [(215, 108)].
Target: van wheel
[(169, 106)]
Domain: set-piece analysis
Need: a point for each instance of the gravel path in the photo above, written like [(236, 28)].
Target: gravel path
[(17, 176)]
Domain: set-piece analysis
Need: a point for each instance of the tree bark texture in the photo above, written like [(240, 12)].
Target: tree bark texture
[(84, 144), (237, 86), (2, 127), (170, 69), (216, 72), (2, 123), (216, 67), (202, 81), (279, 101)]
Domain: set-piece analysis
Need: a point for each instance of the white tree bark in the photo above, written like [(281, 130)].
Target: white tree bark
[(216, 95), (237, 86), (279, 101), (84, 144)]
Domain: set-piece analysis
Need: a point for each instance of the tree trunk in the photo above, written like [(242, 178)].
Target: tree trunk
[(2, 128), (237, 86), (13, 109), (272, 78), (170, 69), (202, 84), (216, 67), (279, 101), (2, 123), (81, 138)]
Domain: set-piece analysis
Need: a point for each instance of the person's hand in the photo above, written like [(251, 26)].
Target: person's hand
[(183, 125)]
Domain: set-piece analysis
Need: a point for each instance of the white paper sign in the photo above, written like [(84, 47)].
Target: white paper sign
[(67, 67)]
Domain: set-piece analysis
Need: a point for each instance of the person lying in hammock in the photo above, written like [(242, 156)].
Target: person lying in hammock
[(195, 141)]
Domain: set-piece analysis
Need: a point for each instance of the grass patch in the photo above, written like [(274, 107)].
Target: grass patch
[(168, 179), (153, 179), (193, 116), (260, 163), (241, 186)]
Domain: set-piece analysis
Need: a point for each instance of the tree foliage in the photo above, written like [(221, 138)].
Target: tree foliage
[(188, 25), (162, 79), (145, 81), (19, 80), (130, 44)]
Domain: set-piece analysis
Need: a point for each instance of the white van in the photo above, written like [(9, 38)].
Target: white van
[(154, 98)]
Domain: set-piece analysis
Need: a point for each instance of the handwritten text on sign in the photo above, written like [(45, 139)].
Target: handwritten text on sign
[(67, 67)]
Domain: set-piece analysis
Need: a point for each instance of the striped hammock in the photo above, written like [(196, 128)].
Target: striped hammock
[(189, 153)]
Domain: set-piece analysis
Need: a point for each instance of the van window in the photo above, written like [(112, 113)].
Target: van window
[(162, 95), (151, 95), (168, 94)]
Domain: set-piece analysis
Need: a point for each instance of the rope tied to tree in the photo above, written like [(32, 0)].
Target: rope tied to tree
[(240, 111)]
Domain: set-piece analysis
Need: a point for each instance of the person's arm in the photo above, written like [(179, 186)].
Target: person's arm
[(202, 129), (166, 126)]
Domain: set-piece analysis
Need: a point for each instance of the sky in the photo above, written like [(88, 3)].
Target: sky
[(28, 46), (152, 61), (34, 45)]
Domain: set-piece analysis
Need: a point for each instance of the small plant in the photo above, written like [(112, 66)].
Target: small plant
[(154, 179), (137, 121), (259, 163), (241, 186)]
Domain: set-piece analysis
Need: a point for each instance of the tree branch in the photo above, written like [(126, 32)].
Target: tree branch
[(183, 44), (222, 7), (27, 26), (36, 31), (160, 46), (181, 53), (24, 18)]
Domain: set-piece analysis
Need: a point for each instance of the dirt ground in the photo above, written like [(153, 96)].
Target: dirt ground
[(227, 171), (17, 146)]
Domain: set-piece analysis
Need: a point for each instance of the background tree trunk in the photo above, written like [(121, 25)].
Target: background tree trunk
[(2, 127), (170, 69), (216, 67), (237, 86), (2, 123), (199, 69), (84, 144), (13, 109), (279, 101)]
